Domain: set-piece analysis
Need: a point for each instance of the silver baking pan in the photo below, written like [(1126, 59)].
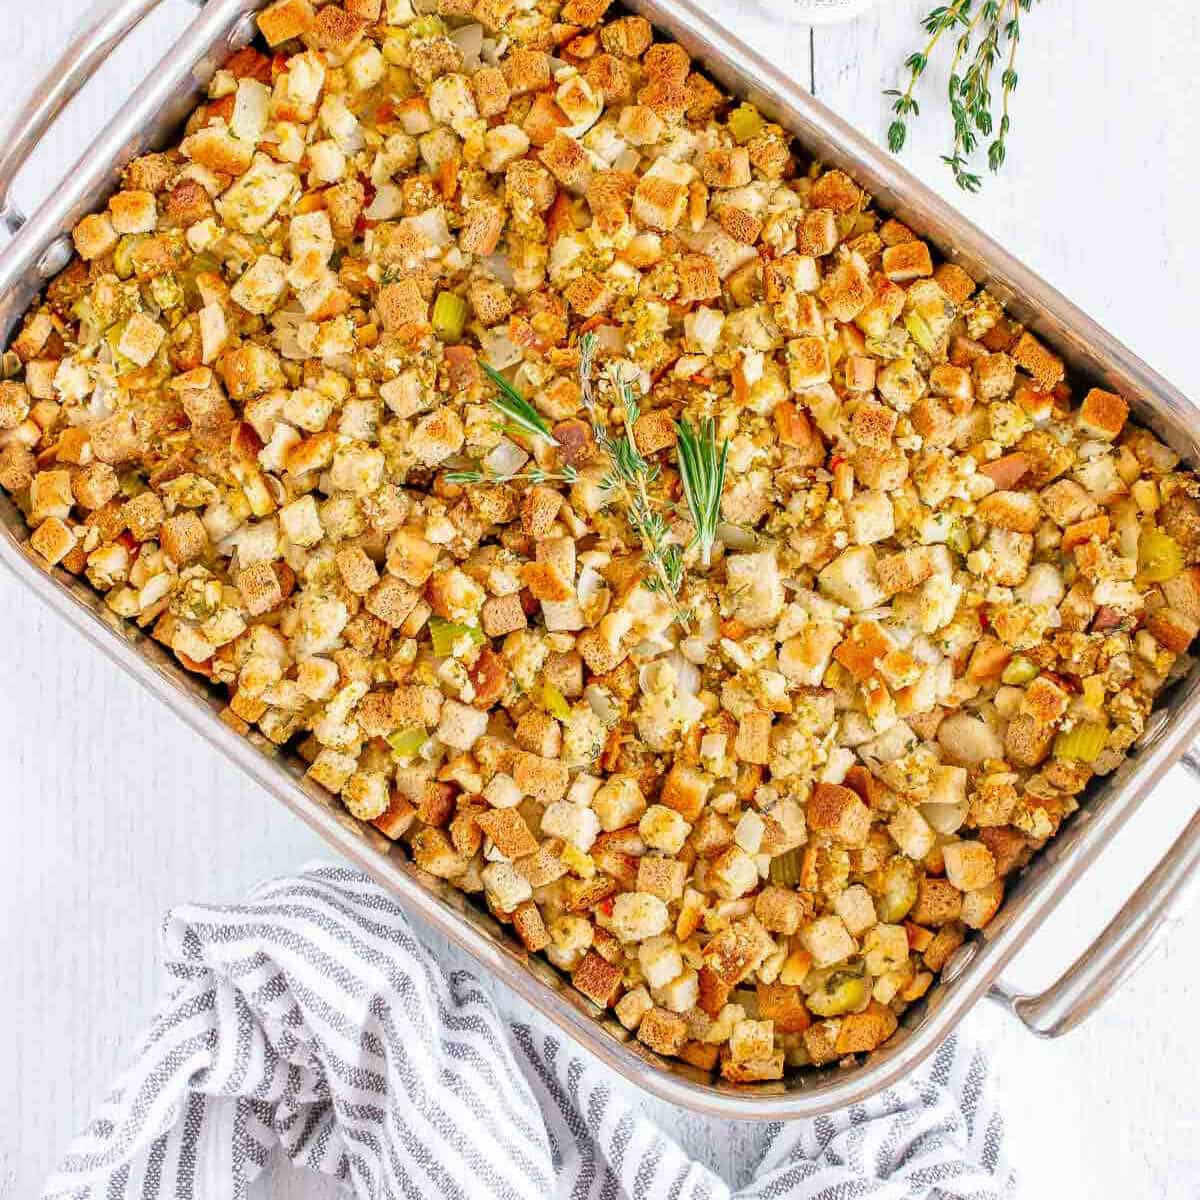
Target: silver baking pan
[(151, 118)]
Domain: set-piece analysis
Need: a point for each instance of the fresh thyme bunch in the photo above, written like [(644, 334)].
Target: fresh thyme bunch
[(632, 477), (989, 32)]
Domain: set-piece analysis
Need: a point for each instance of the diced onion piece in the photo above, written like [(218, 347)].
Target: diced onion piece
[(469, 39), (506, 459)]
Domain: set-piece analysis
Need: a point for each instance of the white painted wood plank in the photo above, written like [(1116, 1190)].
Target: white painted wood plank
[(116, 811)]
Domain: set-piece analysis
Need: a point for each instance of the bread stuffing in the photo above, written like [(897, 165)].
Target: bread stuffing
[(608, 503)]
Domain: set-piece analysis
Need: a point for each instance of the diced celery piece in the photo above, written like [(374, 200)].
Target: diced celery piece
[(1085, 742), (554, 702), (428, 25), (123, 254), (1159, 556), (447, 634), (449, 316), (744, 122), (786, 868), (1019, 671), (899, 892), (406, 743), (919, 331), (841, 993)]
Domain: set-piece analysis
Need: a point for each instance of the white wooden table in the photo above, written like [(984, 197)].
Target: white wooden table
[(114, 811)]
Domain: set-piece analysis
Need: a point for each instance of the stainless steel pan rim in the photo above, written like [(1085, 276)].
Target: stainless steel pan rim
[(154, 111)]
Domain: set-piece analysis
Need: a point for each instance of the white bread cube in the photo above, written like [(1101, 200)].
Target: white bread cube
[(505, 886), (754, 580), (632, 1007), (141, 340), (748, 833), (660, 960), (682, 993), (461, 726), (856, 908), (301, 522), (663, 829), (637, 916), (502, 792), (571, 822), (982, 904), (752, 1041), (452, 101), (827, 940), (870, 517), (733, 873), (911, 832), (885, 948), (850, 579), (619, 802)]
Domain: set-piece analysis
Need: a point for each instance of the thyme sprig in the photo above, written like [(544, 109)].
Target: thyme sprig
[(515, 409), (535, 475), (631, 477), (702, 470), (989, 31)]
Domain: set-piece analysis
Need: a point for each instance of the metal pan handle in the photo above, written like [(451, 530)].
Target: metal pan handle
[(105, 24), (1125, 943)]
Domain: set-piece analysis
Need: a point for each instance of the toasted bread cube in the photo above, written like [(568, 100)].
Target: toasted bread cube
[(336, 31), (660, 198), (864, 1031), (572, 822), (461, 726), (981, 904), (661, 877), (530, 927), (969, 865), (908, 261), (433, 852), (402, 304), (332, 769), (726, 167), (820, 1042), (756, 1070), (938, 902), (184, 537), (95, 237), (416, 706), (1030, 355), (664, 1032), (784, 1007), (365, 794), (398, 819), (827, 940), (526, 70), (753, 742), (685, 789), (542, 778), (502, 615), (491, 91), (1019, 511), (50, 495), (94, 486), (260, 588), (619, 802), (780, 909), (817, 233), (808, 362), (1102, 414), (660, 960), (286, 19), (391, 600), (141, 340), (955, 282), (133, 212), (905, 570), (53, 539), (504, 826), (885, 948), (143, 515), (356, 569), (837, 811)]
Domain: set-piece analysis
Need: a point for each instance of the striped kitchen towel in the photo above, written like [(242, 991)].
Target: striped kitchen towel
[(311, 1020)]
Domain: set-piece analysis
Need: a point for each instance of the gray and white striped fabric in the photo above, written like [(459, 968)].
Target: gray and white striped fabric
[(311, 1019)]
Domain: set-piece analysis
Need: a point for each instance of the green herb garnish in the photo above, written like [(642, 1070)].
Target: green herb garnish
[(516, 409), (702, 469)]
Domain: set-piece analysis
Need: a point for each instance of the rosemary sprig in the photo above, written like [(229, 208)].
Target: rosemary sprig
[(702, 469), (997, 25), (630, 475), (534, 475), (516, 409)]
